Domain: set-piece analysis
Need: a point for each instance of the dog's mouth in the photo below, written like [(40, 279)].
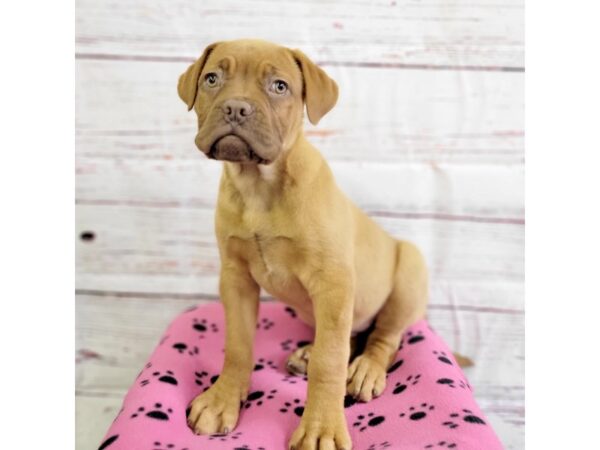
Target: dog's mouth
[(233, 148)]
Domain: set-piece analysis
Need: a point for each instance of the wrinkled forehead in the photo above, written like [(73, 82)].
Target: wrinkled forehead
[(255, 59)]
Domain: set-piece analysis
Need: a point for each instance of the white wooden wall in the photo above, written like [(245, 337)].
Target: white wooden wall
[(427, 137)]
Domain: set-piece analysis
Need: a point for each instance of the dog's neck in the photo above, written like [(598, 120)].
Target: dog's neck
[(259, 186)]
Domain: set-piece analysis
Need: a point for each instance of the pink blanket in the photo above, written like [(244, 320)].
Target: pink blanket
[(427, 404)]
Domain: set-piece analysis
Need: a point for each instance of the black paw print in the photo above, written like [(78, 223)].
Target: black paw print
[(382, 445), (183, 348), (213, 380), (257, 396), (298, 408), (168, 377), (441, 356), (202, 326), (451, 383), (225, 437), (442, 444), (293, 379), (158, 446), (418, 412), (199, 377), (157, 413), (349, 401), (395, 366), (413, 338), (468, 417), (260, 365), (286, 345), (410, 381), (264, 324), (107, 443), (290, 311), (370, 420), (245, 447)]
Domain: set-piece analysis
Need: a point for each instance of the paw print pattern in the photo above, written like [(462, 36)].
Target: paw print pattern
[(291, 312), (264, 324), (441, 356), (107, 443), (286, 345), (298, 408), (402, 386), (293, 379), (382, 445), (418, 412), (451, 383), (442, 444), (245, 447), (349, 401), (158, 446), (158, 413), (202, 326), (199, 377), (183, 348), (257, 397), (467, 416), (168, 377), (213, 380), (225, 437), (395, 366), (413, 338), (260, 365), (370, 420)]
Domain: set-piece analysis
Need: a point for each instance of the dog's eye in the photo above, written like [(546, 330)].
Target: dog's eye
[(211, 79), (279, 87)]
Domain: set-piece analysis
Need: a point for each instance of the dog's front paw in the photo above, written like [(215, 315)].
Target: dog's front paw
[(321, 430), (366, 378), (216, 411)]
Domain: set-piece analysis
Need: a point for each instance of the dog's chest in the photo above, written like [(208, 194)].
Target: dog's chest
[(272, 262)]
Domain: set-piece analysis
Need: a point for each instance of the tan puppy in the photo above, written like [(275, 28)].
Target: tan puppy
[(283, 224)]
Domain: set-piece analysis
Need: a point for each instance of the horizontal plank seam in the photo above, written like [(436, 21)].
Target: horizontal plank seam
[(368, 65), (212, 297), (386, 214)]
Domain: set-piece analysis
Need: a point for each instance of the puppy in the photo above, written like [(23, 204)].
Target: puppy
[(283, 224)]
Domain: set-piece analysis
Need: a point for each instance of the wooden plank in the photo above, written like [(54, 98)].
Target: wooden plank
[(108, 362), (180, 242), (93, 416), (487, 193), (131, 110), (475, 35)]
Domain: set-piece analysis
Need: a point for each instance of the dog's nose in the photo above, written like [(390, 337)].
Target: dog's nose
[(237, 110)]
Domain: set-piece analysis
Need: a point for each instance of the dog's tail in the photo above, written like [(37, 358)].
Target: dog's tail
[(463, 361)]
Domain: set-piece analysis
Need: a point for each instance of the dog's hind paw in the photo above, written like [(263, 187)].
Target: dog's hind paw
[(366, 378)]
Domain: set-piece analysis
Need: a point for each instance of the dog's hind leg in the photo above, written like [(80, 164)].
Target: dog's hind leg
[(297, 362), (406, 304)]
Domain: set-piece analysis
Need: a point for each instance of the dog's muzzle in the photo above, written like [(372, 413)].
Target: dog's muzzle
[(234, 149)]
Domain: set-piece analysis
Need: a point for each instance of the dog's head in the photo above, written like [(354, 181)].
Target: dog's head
[(249, 96)]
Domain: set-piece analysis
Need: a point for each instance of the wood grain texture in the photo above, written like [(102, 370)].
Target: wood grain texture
[(130, 110), (469, 35)]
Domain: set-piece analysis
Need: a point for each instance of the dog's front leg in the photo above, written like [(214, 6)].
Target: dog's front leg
[(217, 409), (323, 424)]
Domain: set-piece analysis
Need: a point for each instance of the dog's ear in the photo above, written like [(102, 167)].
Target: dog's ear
[(320, 91), (187, 87)]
